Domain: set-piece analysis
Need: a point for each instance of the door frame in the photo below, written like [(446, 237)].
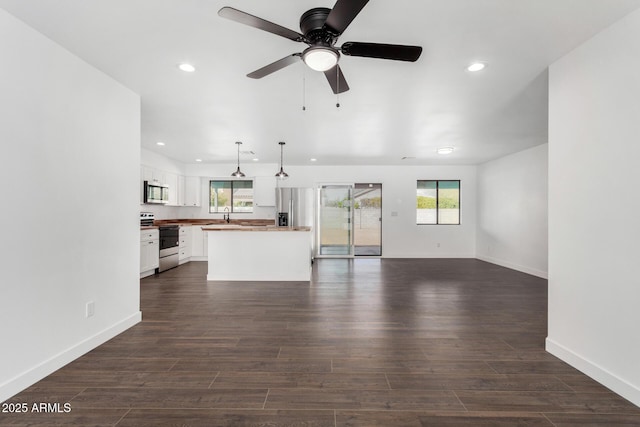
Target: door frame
[(379, 220), (317, 220), (319, 188)]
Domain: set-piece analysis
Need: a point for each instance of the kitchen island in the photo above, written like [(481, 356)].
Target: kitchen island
[(258, 253)]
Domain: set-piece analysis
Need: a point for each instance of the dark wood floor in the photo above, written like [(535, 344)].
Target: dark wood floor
[(369, 343)]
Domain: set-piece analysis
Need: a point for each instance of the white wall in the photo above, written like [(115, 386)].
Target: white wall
[(594, 230), (69, 161), (402, 238), (512, 211), (158, 161)]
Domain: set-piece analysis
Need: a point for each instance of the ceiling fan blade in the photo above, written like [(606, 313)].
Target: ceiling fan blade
[(274, 66), (262, 24), (342, 14), (383, 51), (336, 80)]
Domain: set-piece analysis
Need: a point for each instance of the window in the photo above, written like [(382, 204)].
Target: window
[(438, 202), (236, 196)]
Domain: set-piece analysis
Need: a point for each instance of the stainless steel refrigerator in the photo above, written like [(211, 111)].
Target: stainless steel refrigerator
[(295, 207)]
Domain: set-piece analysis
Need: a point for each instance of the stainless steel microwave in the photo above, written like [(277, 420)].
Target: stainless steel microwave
[(155, 192)]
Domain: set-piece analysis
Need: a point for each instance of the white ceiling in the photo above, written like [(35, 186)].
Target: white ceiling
[(394, 109)]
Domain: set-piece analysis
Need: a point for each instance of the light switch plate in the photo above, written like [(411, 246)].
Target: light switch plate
[(90, 309)]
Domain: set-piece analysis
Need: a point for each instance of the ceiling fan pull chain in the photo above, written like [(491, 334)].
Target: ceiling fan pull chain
[(304, 89), (337, 87)]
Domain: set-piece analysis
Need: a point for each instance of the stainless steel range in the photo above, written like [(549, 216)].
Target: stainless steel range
[(169, 247), (146, 219)]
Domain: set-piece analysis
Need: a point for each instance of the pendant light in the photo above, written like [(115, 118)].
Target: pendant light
[(238, 173), (282, 174)]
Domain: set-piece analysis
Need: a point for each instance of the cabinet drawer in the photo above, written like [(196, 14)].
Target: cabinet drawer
[(184, 253), (146, 235), (185, 236)]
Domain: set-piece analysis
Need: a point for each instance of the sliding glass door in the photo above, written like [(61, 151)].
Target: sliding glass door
[(367, 220), (350, 220), (335, 220)]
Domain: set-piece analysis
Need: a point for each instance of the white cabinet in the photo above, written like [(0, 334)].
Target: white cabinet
[(199, 247), (191, 191), (171, 180), (185, 244), (181, 190), (264, 191), (153, 175), (188, 193), (149, 252), (175, 182)]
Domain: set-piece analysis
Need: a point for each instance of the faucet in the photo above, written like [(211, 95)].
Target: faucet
[(226, 216)]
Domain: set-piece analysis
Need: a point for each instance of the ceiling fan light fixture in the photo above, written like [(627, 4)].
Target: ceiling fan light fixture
[(320, 58), (238, 173)]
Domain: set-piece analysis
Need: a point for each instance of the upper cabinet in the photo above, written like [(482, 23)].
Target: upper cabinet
[(264, 191), (171, 179), (153, 175), (183, 190), (191, 191)]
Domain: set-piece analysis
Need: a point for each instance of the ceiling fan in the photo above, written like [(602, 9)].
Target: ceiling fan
[(321, 28)]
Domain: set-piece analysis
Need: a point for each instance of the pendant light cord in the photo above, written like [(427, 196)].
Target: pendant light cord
[(281, 174), (238, 172)]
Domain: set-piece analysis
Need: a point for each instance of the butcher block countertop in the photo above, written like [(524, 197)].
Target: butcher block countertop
[(233, 227), (216, 222)]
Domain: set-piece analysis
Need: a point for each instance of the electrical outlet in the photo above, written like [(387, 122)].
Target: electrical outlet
[(90, 309)]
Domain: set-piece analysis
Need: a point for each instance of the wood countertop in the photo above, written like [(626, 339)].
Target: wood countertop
[(214, 222), (232, 227)]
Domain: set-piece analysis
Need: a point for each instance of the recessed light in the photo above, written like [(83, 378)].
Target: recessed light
[(198, 160), (313, 160), (255, 160), (476, 66), (187, 68), (445, 150), (160, 143)]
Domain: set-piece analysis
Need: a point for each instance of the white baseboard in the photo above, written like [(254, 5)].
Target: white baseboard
[(517, 267), (47, 367), (147, 273), (598, 373), (426, 255)]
